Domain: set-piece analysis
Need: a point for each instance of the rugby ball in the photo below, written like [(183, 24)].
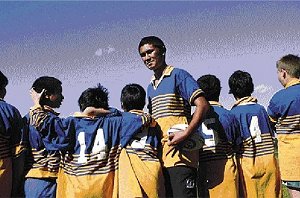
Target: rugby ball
[(194, 142)]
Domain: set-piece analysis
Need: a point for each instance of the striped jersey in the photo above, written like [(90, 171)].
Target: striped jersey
[(42, 160), (139, 165), (217, 171), (258, 166), (284, 111), (91, 148), (169, 102), (10, 145), (255, 129)]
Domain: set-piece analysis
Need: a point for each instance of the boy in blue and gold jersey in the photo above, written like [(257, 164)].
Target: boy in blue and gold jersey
[(218, 174), (284, 111), (43, 159), (91, 145), (10, 146), (258, 168), (171, 93)]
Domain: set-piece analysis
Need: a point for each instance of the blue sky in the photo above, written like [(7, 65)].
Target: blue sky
[(85, 43)]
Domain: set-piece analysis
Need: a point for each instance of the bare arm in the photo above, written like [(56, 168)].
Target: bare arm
[(201, 108)]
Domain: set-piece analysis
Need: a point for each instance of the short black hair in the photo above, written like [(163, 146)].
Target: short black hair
[(155, 41), (211, 86), (51, 84), (133, 96), (241, 84), (94, 97), (3, 80)]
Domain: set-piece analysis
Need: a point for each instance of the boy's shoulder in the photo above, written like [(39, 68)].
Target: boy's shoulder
[(8, 108)]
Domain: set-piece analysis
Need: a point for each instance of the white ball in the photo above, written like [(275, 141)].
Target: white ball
[(194, 142)]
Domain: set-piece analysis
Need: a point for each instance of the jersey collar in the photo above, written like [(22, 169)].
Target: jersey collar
[(45, 108), (292, 82), (167, 72), (245, 100)]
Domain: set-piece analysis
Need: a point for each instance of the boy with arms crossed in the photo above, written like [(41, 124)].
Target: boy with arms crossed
[(10, 145), (258, 168), (91, 145), (171, 93), (284, 111), (218, 173), (140, 170)]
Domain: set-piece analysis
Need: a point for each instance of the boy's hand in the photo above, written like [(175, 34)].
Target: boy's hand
[(177, 138), (92, 111), (36, 97)]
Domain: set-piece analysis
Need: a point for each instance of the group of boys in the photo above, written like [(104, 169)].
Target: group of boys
[(103, 152)]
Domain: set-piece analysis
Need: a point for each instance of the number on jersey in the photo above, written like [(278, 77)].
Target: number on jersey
[(255, 130), (99, 147), (209, 136)]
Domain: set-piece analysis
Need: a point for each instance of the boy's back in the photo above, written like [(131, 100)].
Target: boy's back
[(284, 108), (92, 147), (257, 161), (217, 168)]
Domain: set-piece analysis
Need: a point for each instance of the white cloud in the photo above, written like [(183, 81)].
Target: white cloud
[(103, 51), (263, 88), (99, 52), (110, 50)]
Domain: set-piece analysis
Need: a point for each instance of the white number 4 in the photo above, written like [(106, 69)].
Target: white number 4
[(99, 146), (255, 130)]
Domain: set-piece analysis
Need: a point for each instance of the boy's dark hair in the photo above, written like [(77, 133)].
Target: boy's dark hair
[(50, 84), (211, 86), (3, 80), (155, 41), (133, 96), (241, 84), (290, 63), (94, 97)]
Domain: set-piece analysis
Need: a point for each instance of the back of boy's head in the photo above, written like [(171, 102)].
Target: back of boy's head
[(290, 63), (3, 84), (211, 86), (50, 84), (94, 97), (241, 84), (3, 80), (133, 96)]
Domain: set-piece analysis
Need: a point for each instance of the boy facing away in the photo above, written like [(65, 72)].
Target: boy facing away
[(43, 159), (91, 145), (10, 145), (140, 169), (218, 174), (284, 111), (259, 174)]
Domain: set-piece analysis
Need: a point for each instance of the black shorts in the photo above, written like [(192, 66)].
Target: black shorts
[(180, 181)]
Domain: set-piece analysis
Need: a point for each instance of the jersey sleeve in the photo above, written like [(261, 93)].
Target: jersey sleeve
[(52, 129), (188, 87)]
